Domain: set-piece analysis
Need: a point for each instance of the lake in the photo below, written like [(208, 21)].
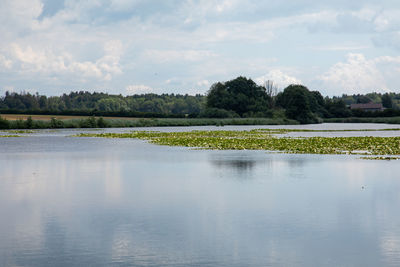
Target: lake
[(68, 201)]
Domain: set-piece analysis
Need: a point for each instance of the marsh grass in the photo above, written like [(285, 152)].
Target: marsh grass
[(266, 140)]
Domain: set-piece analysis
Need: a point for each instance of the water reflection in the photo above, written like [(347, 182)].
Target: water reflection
[(249, 164), (238, 164)]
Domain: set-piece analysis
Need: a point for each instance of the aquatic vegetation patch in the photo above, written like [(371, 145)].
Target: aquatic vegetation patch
[(284, 131), (9, 135), (265, 140), (20, 131), (381, 158)]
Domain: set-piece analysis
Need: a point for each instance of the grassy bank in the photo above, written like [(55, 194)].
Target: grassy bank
[(14, 117), (265, 140), (92, 122), (389, 120)]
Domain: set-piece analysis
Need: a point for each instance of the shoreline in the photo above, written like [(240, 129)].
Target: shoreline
[(55, 122), (26, 121)]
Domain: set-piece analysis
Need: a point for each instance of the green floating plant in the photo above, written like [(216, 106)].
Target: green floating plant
[(265, 140), (380, 158), (20, 131), (9, 135)]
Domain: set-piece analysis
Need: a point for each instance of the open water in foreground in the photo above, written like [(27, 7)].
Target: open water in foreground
[(68, 201)]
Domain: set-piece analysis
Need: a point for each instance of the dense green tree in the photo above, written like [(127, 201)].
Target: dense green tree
[(387, 101), (240, 95), (363, 99), (337, 108), (217, 113), (101, 102), (110, 104), (43, 102), (300, 103)]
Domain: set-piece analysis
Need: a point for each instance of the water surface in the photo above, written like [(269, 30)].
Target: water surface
[(68, 201)]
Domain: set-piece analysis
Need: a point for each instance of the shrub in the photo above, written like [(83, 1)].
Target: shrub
[(55, 123), (29, 123), (101, 123), (88, 123), (4, 124)]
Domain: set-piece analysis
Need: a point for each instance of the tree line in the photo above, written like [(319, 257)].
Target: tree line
[(87, 103), (243, 97), (240, 97)]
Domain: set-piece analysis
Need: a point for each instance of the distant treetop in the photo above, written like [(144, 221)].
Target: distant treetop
[(241, 95)]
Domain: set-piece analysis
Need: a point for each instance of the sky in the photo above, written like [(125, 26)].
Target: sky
[(184, 46)]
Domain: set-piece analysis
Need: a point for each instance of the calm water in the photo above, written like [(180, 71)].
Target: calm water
[(68, 201)]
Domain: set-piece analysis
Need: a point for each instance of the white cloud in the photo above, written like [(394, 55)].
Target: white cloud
[(207, 8), (203, 83), (261, 31), (279, 78), (177, 55), (356, 75), (172, 81), (139, 89), (340, 47), (387, 20), (4, 62), (89, 43), (19, 13), (381, 24), (224, 5), (123, 5), (45, 61), (387, 59)]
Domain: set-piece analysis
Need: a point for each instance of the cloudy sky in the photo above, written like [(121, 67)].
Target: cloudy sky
[(184, 46)]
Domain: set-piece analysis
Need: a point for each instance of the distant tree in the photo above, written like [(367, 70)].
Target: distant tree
[(86, 102), (387, 101), (362, 99), (374, 97), (240, 95), (337, 108), (43, 102), (108, 105), (317, 104), (299, 103), (270, 88), (217, 113)]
